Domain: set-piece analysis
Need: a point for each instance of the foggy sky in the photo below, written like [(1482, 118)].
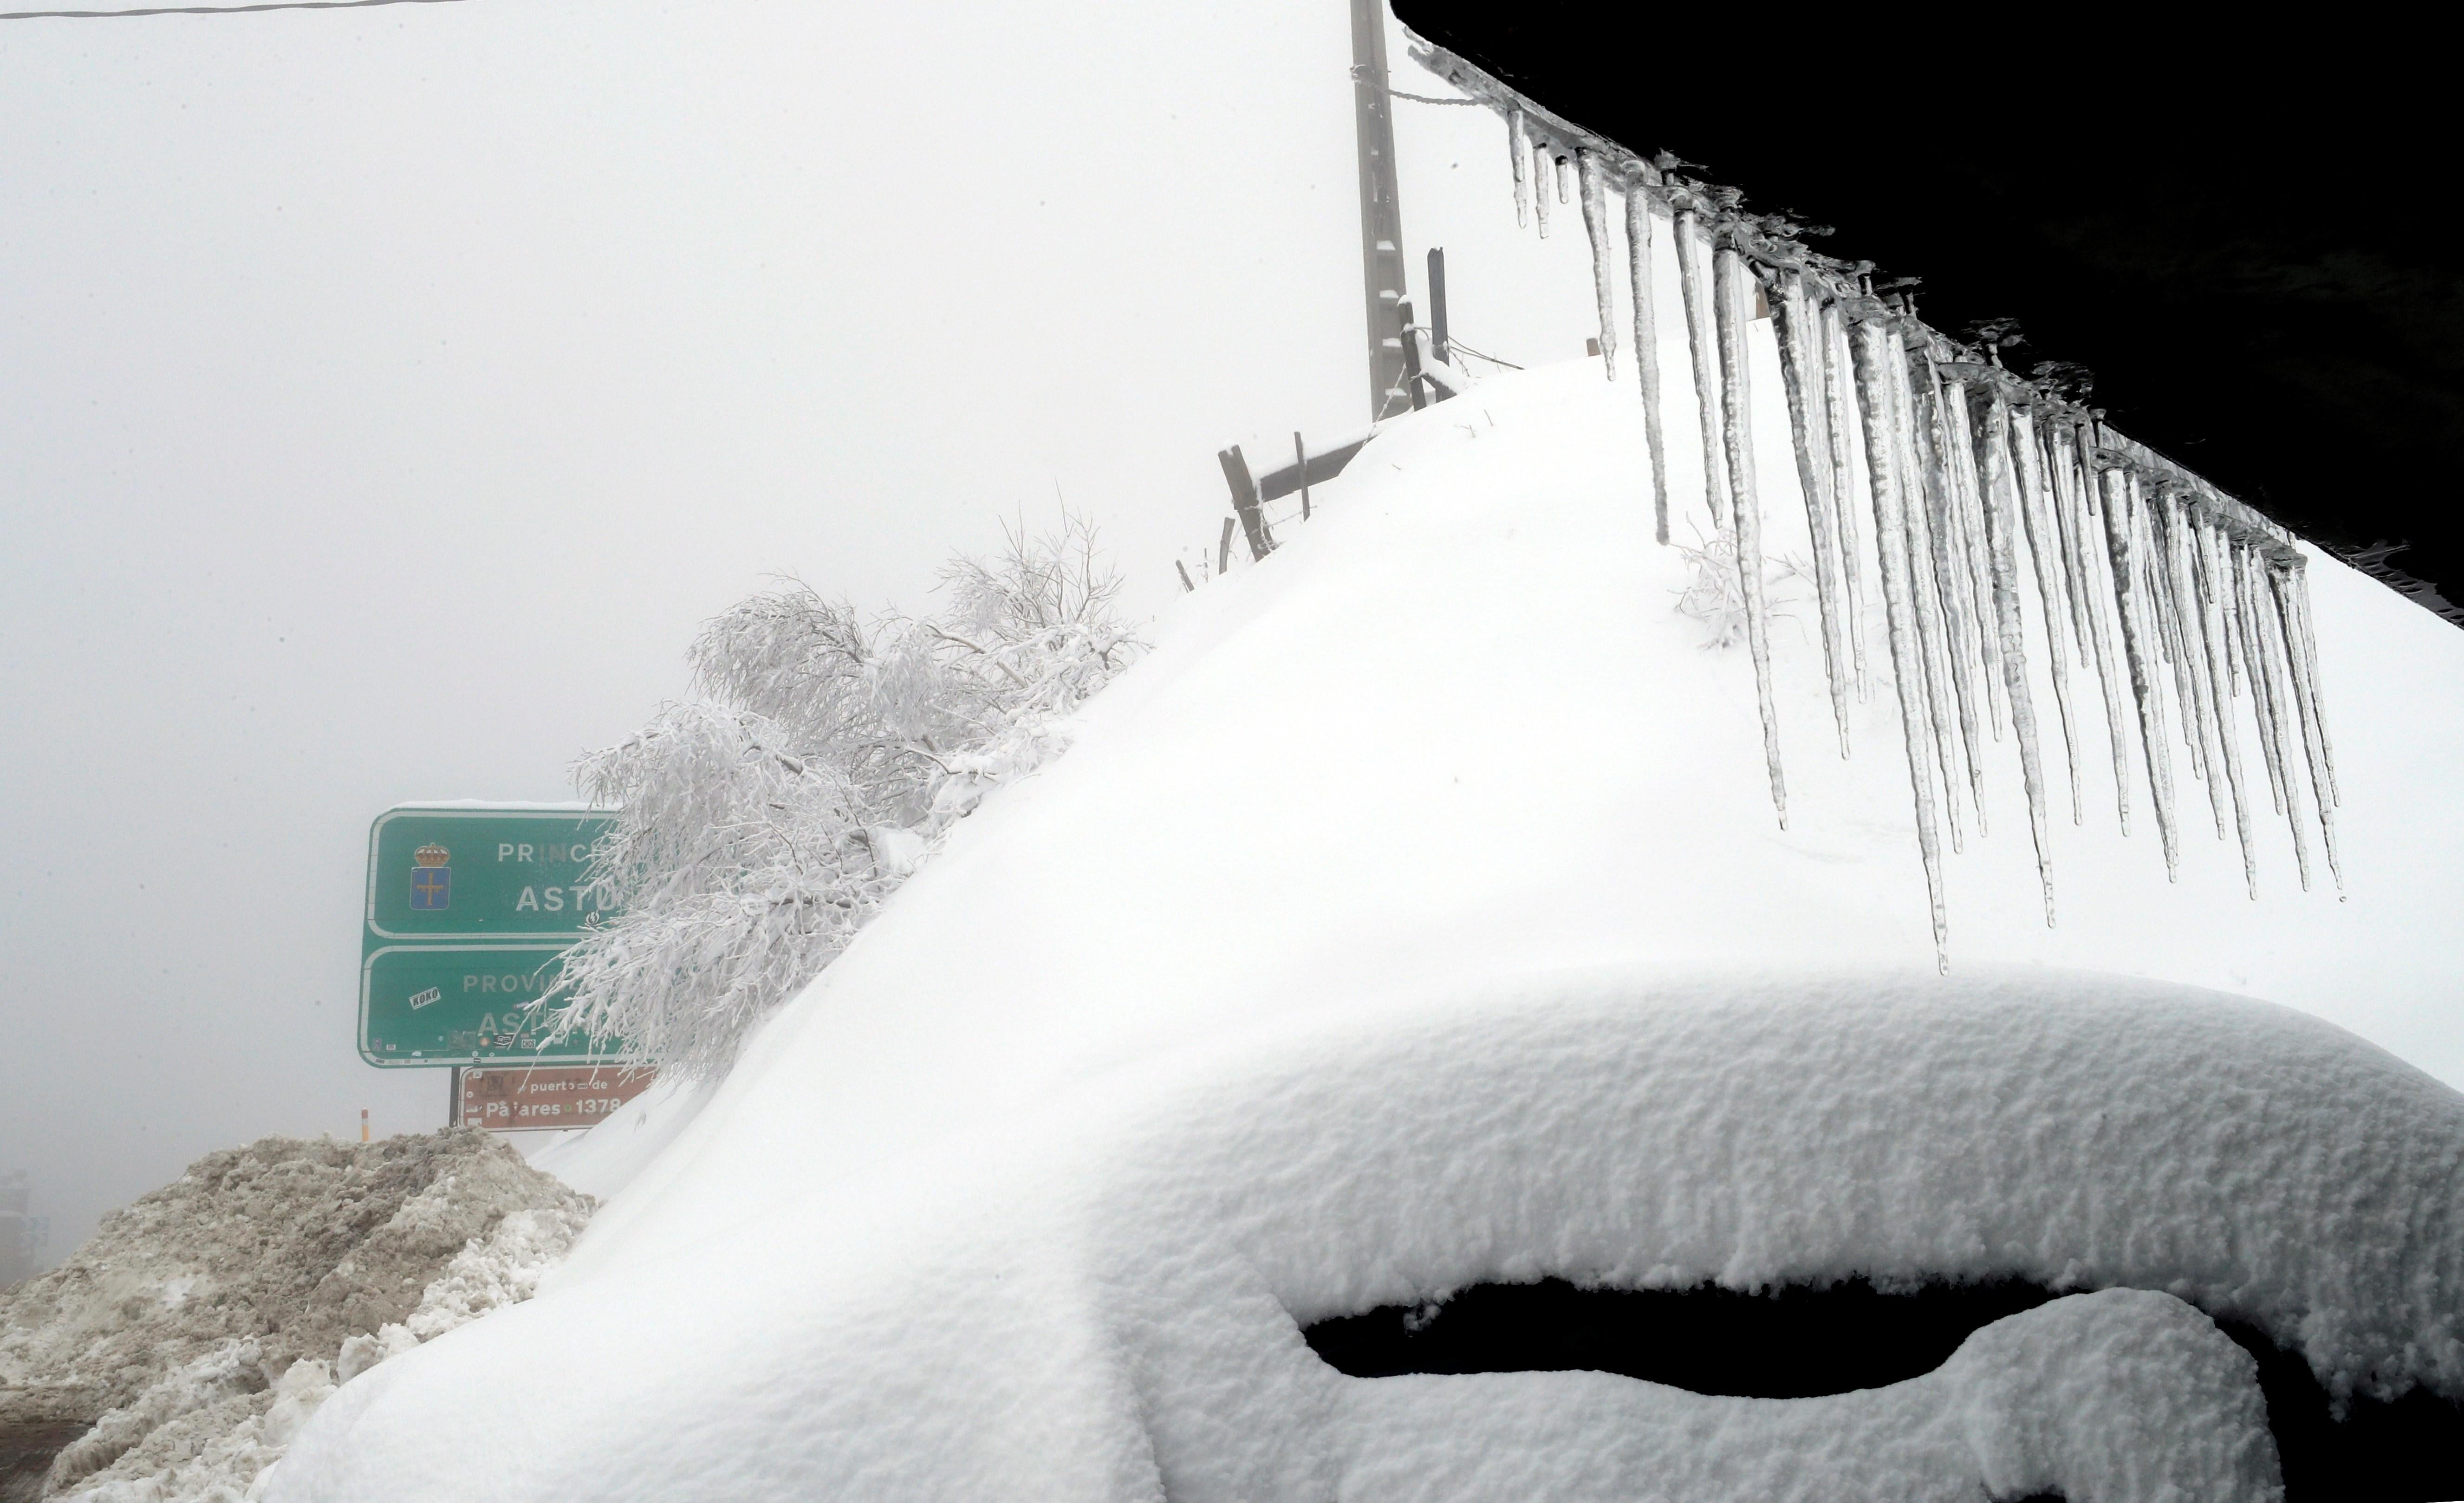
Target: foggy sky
[(385, 395)]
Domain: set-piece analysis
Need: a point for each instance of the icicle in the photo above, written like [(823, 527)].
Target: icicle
[(1932, 644), (1732, 313), (2309, 664), (2160, 568), (2138, 646), (2276, 669), (1540, 183), (1836, 376), (2082, 543), (1798, 361), (2068, 501), (2190, 630), (1565, 181), (2042, 546), (1999, 502), (2212, 528), (1518, 151), (2220, 688), (2092, 586), (1646, 346), (1971, 572), (1693, 279), (2283, 583), (2244, 629), (2146, 548), (1873, 360), (1935, 523), (1595, 224)]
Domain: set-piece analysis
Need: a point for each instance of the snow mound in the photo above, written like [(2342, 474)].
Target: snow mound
[(195, 1333), (1413, 918)]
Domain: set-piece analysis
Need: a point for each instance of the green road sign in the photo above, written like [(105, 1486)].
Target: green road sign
[(481, 873), (469, 912), (425, 1004)]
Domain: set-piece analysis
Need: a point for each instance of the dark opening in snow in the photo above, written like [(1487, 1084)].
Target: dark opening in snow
[(1801, 1342)]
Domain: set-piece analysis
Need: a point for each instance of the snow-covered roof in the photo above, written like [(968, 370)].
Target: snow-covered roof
[(1414, 917)]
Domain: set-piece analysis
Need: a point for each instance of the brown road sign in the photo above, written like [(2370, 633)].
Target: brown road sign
[(524, 1098)]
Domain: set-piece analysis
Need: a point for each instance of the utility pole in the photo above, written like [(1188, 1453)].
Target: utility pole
[(1381, 213)]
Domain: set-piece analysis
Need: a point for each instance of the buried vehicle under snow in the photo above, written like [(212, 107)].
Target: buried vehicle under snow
[(1496, 1106), (1998, 1237)]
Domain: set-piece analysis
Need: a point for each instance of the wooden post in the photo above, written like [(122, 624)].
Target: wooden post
[(1223, 550), (1186, 586), (1299, 459), (1440, 347), (1413, 381), (1244, 502)]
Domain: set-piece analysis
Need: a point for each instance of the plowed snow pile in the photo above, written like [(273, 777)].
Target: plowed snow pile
[(174, 1354)]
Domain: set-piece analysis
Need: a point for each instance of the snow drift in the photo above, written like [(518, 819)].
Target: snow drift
[(1413, 918)]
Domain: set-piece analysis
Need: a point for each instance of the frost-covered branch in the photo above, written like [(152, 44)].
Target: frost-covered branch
[(823, 756)]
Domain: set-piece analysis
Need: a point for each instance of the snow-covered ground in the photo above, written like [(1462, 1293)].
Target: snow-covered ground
[(1414, 917)]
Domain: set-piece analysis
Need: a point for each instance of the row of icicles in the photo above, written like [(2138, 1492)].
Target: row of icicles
[(2139, 565)]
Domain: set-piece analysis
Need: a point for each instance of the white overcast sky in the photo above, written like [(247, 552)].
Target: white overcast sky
[(387, 394)]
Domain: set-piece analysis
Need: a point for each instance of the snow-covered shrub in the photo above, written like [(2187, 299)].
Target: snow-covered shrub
[(822, 756)]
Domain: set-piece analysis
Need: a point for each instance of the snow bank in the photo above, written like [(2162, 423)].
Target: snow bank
[(1256, 1009), (202, 1325)]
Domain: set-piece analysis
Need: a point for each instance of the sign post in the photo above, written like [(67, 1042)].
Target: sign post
[(470, 911)]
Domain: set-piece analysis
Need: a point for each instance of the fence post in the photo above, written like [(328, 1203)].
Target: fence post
[(1440, 349), (1299, 459), (1245, 501), (1223, 550), (1411, 378)]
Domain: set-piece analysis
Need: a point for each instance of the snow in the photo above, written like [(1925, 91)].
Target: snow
[(1413, 918)]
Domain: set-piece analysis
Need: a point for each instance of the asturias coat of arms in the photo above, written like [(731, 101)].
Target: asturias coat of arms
[(431, 880)]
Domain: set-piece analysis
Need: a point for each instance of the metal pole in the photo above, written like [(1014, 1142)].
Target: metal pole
[(1381, 216)]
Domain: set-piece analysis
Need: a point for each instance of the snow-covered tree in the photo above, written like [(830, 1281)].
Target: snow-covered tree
[(822, 756)]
